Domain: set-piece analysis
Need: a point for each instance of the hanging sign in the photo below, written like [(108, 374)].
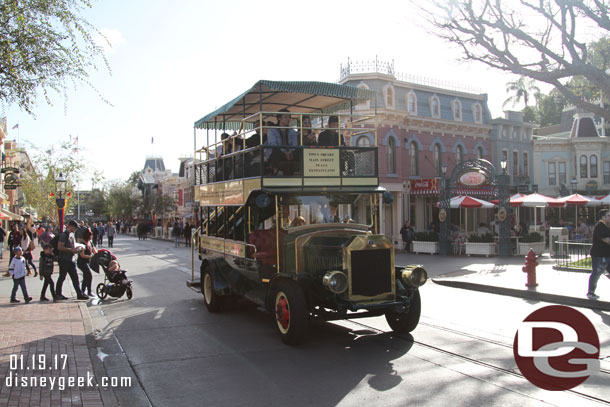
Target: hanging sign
[(473, 179)]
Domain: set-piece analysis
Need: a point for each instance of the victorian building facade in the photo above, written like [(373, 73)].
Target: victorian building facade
[(420, 127)]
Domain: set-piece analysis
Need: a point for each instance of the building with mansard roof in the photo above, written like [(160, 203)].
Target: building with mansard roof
[(422, 124)]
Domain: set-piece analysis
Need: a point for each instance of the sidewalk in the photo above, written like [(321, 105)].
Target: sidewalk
[(504, 276), (47, 344)]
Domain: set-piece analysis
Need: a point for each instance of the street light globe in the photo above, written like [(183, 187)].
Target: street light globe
[(60, 183)]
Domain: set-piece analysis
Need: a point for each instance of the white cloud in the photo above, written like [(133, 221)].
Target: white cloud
[(113, 38)]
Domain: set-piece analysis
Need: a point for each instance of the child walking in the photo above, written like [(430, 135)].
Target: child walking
[(45, 268), (18, 271)]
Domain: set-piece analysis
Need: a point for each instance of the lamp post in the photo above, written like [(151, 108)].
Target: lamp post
[(504, 243), (444, 215), (574, 182), (60, 200)]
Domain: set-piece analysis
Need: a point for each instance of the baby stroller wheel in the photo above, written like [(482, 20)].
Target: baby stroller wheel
[(101, 291), (129, 293)]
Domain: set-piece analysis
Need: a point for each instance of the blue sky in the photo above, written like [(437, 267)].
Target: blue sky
[(174, 62)]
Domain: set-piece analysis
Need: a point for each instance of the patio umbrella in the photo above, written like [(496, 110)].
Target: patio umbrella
[(465, 201), (575, 200), (605, 200), (537, 200)]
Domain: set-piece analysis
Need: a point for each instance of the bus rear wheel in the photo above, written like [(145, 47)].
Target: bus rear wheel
[(290, 311), (213, 301)]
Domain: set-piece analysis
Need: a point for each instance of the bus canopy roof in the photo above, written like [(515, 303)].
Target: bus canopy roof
[(272, 96)]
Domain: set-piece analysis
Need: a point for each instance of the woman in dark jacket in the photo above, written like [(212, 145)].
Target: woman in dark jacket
[(83, 262)]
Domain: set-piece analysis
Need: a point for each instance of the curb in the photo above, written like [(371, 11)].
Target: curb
[(527, 294)]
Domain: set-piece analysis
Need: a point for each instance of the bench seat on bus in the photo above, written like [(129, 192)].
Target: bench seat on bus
[(264, 240)]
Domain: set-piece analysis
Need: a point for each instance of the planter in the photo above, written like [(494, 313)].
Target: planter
[(425, 247), (538, 247), (484, 249)]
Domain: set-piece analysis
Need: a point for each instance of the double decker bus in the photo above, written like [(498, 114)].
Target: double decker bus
[(290, 210)]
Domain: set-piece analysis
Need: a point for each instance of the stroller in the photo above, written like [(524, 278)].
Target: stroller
[(115, 280)]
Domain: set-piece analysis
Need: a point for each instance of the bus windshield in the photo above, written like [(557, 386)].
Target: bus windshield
[(301, 210)]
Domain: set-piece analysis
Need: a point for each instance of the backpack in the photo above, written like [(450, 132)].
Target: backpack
[(54, 244)]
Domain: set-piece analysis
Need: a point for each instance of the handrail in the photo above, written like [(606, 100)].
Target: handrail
[(193, 241)]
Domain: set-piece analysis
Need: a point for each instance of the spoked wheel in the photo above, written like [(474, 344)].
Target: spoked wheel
[(129, 293), (100, 290), (212, 300), (403, 322), (290, 310)]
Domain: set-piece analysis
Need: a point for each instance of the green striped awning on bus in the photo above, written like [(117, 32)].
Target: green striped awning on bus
[(272, 96)]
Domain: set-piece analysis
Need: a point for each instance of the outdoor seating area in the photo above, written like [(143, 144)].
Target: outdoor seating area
[(475, 226)]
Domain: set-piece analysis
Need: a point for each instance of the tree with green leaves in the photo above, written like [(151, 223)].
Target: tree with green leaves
[(523, 88), (45, 45), (38, 184), (546, 40), (122, 201)]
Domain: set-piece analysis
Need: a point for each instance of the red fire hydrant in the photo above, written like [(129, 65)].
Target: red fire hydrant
[(530, 268)]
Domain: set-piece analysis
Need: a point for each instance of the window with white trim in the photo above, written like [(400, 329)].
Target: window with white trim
[(391, 156), (479, 152), (363, 141), (437, 160), (389, 97), (552, 174), (459, 154), (414, 158), (593, 166), (457, 110), (606, 172), (477, 113), (435, 106), (367, 103), (583, 166), (563, 176), (412, 102), (526, 165), (515, 163)]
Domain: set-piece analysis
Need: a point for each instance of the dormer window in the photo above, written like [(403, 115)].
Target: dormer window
[(412, 103), (435, 106), (457, 110), (367, 103), (477, 113), (389, 97)]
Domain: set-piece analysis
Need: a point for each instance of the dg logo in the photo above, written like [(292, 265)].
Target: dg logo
[(557, 348)]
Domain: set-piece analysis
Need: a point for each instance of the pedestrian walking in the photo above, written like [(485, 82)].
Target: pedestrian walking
[(84, 257), (407, 233), (100, 231), (176, 233), (2, 236), (27, 246), (110, 232), (45, 267), (18, 271), (187, 234), (96, 234), (600, 251), (67, 266)]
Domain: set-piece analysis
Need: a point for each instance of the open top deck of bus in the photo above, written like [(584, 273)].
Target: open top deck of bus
[(229, 167)]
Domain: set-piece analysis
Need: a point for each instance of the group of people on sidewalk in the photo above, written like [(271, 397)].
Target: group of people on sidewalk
[(179, 231), (75, 241)]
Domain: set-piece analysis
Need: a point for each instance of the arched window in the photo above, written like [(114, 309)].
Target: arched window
[(457, 110), (437, 160), (459, 154), (363, 141), (391, 155), (479, 152), (367, 103), (412, 103), (414, 157), (593, 166), (435, 106), (583, 166), (389, 97), (477, 113)]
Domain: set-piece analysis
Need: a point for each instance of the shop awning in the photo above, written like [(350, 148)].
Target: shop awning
[(8, 215)]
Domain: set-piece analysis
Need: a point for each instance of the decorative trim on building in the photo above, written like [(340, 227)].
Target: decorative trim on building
[(437, 140)]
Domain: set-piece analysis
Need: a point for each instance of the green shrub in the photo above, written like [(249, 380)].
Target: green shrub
[(531, 238), (426, 236), (486, 238)]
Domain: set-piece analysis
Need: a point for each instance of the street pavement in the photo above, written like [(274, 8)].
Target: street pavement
[(65, 330)]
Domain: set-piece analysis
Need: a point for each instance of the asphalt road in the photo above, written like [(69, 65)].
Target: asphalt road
[(181, 355)]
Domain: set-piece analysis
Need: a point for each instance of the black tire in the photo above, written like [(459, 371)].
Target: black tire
[(212, 300), (290, 312), (129, 293), (100, 290), (404, 322)]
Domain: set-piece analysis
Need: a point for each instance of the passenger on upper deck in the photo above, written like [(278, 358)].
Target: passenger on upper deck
[(281, 136), (330, 136), (255, 139), (309, 137)]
